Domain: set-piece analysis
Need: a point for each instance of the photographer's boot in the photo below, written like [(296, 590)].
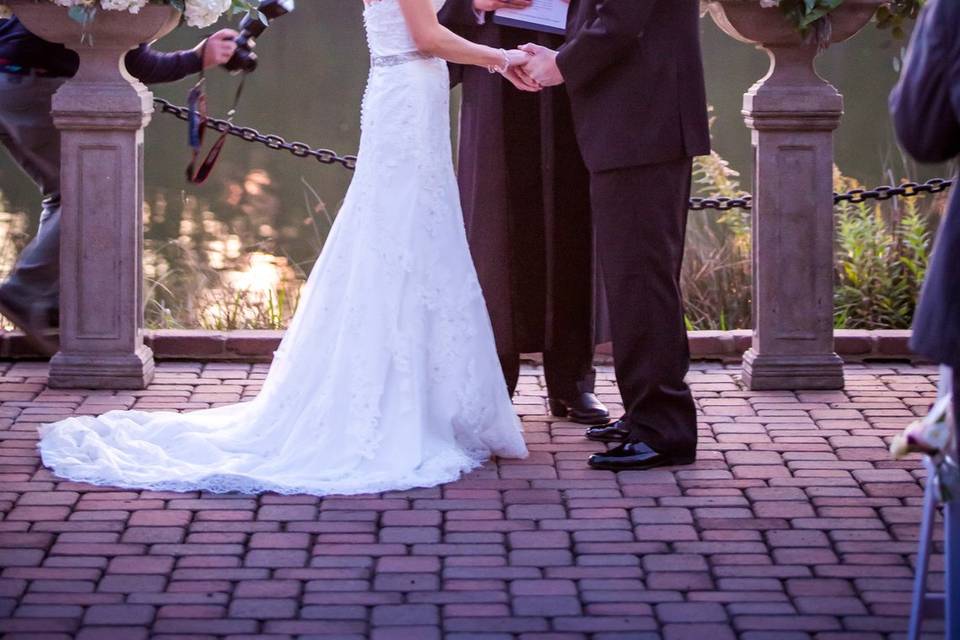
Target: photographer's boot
[(33, 318)]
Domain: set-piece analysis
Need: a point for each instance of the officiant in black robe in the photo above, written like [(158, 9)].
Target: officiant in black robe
[(526, 201)]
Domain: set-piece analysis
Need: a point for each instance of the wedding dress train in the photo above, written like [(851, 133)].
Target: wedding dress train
[(387, 378)]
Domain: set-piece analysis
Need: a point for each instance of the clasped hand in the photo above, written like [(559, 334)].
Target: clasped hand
[(533, 67)]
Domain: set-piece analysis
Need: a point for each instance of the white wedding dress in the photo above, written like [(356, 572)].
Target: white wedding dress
[(387, 378)]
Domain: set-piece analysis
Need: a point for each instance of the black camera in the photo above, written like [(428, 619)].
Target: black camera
[(252, 25)]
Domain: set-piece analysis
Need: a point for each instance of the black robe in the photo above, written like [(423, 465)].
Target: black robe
[(526, 201)]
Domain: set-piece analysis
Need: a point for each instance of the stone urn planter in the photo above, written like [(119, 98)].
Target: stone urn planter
[(101, 114), (792, 113)]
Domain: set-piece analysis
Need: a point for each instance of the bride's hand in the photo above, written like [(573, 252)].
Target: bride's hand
[(517, 58)]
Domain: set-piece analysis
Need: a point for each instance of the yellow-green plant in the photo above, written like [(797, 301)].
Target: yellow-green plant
[(882, 257), (882, 254), (716, 276)]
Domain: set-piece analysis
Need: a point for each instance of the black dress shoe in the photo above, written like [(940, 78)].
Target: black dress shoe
[(34, 321), (617, 431), (583, 408), (637, 456)]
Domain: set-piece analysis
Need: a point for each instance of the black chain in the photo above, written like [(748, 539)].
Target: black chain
[(326, 156), (854, 196), (720, 204), (298, 149), (905, 190)]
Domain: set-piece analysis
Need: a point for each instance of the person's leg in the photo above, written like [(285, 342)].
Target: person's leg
[(510, 363), (640, 217), (570, 371), (951, 519), (956, 402), (34, 143), (570, 278)]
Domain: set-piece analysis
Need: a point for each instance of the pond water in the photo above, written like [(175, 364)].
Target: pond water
[(231, 253)]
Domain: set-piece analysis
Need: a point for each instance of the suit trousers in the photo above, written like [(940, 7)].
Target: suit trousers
[(33, 141), (640, 219), (568, 373)]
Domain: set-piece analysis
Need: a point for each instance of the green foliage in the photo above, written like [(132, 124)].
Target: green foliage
[(882, 255), (716, 277), (803, 13), (807, 14), (882, 260), (893, 16)]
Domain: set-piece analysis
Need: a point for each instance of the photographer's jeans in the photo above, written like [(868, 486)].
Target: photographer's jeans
[(29, 135)]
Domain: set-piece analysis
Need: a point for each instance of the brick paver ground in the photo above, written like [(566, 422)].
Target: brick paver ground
[(793, 524)]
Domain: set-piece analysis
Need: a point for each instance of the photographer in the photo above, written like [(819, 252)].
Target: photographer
[(926, 112), (31, 71)]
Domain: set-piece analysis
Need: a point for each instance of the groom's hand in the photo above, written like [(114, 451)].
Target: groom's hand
[(542, 68), (494, 5), (513, 74)]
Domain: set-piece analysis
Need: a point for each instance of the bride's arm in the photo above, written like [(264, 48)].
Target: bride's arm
[(434, 39)]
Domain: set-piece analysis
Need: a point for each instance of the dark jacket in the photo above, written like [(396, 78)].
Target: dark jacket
[(634, 73), (926, 113), (22, 48)]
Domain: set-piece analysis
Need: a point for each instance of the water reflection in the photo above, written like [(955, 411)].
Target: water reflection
[(234, 252), (227, 271)]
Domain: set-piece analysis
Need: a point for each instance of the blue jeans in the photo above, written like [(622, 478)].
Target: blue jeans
[(32, 140)]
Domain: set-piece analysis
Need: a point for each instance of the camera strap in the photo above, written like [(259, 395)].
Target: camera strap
[(199, 170)]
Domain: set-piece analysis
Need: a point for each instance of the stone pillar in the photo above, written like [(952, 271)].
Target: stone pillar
[(101, 114), (792, 114)]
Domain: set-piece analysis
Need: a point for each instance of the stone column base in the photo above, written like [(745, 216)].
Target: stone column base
[(100, 371), (789, 372)]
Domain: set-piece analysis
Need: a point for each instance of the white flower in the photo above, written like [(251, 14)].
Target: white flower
[(203, 13), (931, 435), (197, 13), (133, 6)]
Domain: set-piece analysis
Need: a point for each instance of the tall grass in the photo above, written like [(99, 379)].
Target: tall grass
[(716, 277), (882, 257)]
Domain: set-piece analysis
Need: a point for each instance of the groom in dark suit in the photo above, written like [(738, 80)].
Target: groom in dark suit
[(634, 74)]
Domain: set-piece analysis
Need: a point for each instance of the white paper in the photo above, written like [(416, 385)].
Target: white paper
[(549, 15)]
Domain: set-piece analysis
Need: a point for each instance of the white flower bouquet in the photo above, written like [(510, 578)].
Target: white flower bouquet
[(933, 436), (196, 13)]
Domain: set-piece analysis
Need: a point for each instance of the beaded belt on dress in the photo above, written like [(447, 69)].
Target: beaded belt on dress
[(400, 58)]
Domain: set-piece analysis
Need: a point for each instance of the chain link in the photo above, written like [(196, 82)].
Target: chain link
[(720, 204), (327, 156), (249, 134), (854, 196)]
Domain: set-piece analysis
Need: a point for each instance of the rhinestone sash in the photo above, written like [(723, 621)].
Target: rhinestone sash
[(400, 58)]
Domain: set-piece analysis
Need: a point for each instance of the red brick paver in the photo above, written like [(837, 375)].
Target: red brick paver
[(794, 523)]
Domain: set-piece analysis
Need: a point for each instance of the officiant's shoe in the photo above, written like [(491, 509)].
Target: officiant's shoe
[(632, 456), (618, 431), (583, 408), (36, 322)]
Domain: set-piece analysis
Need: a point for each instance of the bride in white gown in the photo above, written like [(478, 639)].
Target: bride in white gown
[(387, 378)]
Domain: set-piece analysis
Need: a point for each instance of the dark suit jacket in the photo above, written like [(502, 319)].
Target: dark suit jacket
[(634, 72), (926, 111)]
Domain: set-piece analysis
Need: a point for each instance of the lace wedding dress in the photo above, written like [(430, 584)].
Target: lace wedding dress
[(387, 378)]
